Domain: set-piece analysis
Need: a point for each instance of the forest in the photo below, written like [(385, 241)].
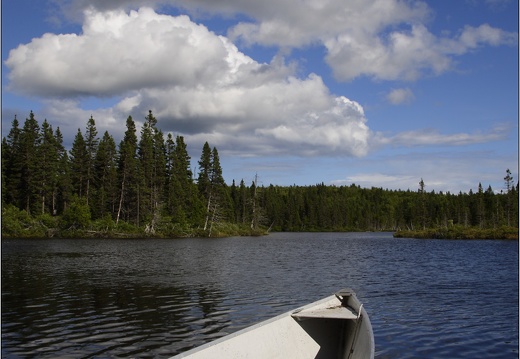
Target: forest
[(145, 187)]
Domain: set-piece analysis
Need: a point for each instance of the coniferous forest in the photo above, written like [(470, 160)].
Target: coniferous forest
[(144, 187)]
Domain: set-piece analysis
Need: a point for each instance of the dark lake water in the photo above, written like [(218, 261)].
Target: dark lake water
[(156, 298)]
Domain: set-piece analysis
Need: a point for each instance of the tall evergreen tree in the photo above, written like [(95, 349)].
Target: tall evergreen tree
[(181, 194), (30, 185), (212, 187), (508, 180), (422, 204), (255, 215), (216, 177), (12, 166), (64, 188), (48, 174), (105, 177), (79, 171), (152, 166), (182, 162), (480, 206), (171, 185), (204, 180), (91, 144), (5, 157), (128, 175)]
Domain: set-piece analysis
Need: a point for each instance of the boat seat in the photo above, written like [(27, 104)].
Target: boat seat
[(335, 312)]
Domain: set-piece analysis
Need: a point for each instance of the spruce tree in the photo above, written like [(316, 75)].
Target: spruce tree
[(171, 185), (480, 206), (79, 171), (152, 166), (105, 178), (5, 157), (91, 144), (203, 180), (127, 207), (12, 166), (508, 180), (212, 187), (182, 162), (216, 177), (63, 189), (422, 204), (181, 197), (48, 174), (30, 186)]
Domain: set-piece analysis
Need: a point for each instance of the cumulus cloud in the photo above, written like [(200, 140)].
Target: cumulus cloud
[(117, 52), (406, 55), (400, 96), (196, 83), (381, 39)]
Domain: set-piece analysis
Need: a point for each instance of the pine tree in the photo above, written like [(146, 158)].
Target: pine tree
[(152, 166), (12, 166), (145, 151), (159, 171), (48, 174), (213, 188), (91, 144), (181, 199), (480, 206), (422, 204), (508, 180), (204, 181), (128, 175), (255, 208), (105, 177), (79, 171), (182, 162), (171, 185), (63, 189), (30, 164), (5, 159)]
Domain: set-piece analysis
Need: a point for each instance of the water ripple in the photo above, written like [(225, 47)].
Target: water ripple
[(156, 298)]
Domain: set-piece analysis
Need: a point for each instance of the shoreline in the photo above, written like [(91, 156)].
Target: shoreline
[(459, 232)]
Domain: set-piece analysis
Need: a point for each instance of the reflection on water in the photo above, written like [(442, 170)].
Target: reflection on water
[(156, 298)]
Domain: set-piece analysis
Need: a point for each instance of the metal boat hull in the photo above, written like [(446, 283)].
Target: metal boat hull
[(334, 327)]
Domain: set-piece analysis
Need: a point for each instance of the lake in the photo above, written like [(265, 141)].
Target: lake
[(154, 298)]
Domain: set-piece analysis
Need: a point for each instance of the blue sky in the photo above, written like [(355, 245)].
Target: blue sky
[(377, 92)]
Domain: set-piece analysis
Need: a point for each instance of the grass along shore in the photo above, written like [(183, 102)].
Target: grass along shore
[(460, 232)]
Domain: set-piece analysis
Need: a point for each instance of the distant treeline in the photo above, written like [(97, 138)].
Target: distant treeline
[(145, 187)]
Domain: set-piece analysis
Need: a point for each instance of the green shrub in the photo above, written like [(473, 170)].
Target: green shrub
[(15, 222), (77, 214), (48, 220), (105, 224)]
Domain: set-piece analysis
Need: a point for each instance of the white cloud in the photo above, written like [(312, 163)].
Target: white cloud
[(400, 96), (432, 137), (200, 85), (381, 39), (385, 40), (340, 128), (69, 116), (117, 52), (196, 83), (406, 55)]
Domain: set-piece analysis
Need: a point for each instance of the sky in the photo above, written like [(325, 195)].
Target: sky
[(376, 93)]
